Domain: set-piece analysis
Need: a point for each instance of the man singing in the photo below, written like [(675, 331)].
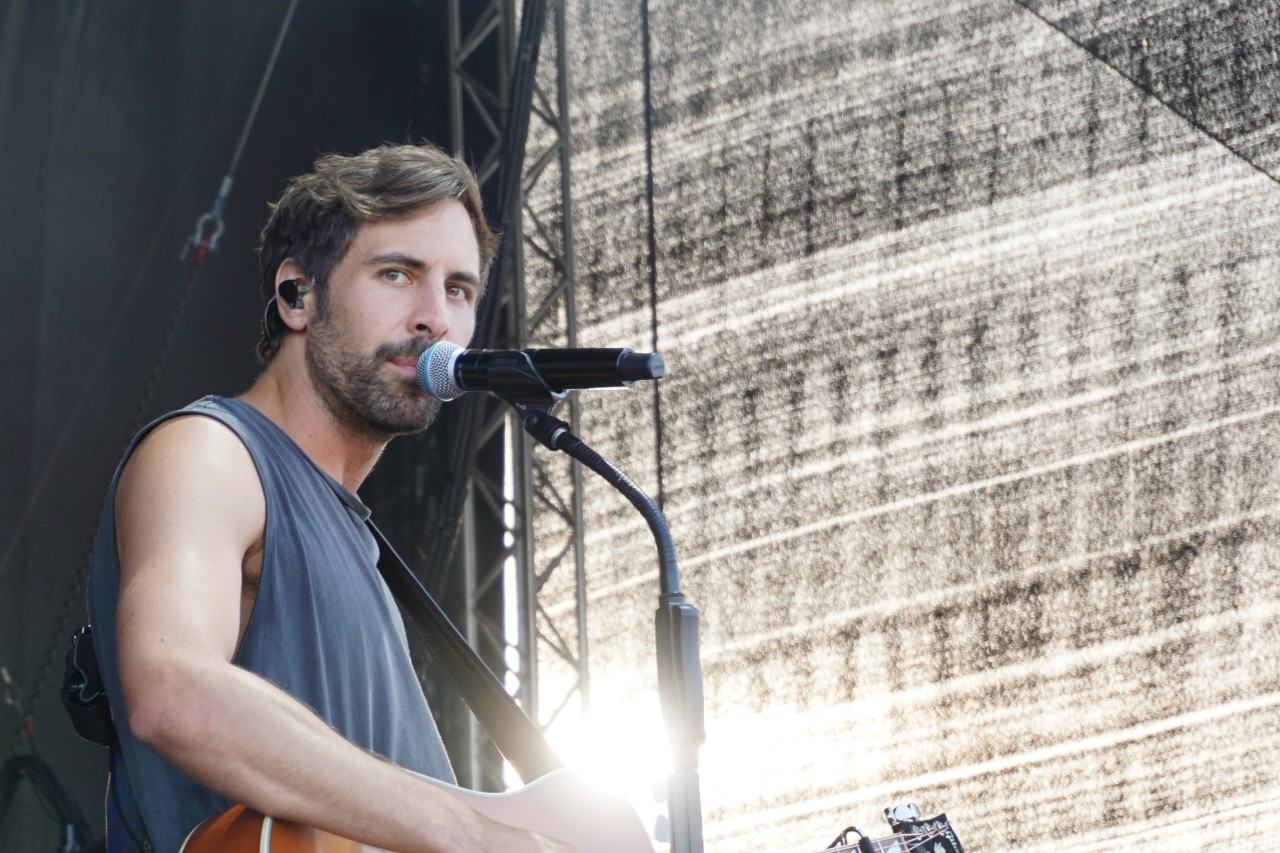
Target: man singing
[(250, 649)]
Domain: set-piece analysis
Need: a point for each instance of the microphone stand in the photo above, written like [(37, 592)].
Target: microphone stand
[(676, 621)]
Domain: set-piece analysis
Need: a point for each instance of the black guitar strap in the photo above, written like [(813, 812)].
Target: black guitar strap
[(517, 737)]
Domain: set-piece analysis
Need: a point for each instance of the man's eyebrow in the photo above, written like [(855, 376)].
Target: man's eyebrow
[(398, 258)]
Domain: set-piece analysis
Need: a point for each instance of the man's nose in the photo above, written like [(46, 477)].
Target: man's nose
[(431, 314)]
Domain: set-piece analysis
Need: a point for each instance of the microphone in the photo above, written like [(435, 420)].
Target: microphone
[(448, 371)]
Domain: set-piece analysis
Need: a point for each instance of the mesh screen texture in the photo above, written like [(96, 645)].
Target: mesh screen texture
[(967, 435)]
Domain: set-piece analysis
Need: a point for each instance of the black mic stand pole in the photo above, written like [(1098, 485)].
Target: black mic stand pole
[(676, 621)]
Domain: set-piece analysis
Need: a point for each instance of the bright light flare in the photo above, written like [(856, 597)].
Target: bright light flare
[(619, 748)]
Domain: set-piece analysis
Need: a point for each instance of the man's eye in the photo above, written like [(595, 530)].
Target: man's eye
[(457, 291), (395, 276)]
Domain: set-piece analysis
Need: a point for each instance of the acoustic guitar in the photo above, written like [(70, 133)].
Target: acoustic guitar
[(559, 805)]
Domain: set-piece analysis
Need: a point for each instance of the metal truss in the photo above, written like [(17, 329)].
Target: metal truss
[(515, 497)]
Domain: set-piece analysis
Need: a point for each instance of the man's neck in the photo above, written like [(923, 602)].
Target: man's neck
[(296, 408)]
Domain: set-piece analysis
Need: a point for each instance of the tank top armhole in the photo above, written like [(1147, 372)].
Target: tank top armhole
[(233, 423)]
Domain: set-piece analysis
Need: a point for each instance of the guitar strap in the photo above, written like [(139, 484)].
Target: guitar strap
[(517, 737)]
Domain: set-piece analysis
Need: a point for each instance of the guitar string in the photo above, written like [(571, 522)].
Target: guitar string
[(909, 844)]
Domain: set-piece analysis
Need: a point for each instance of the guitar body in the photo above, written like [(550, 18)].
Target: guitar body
[(242, 829), (559, 805)]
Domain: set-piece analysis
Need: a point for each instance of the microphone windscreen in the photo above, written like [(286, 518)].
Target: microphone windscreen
[(435, 370)]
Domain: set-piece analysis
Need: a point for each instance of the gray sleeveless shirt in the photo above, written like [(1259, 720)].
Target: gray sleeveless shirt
[(324, 628)]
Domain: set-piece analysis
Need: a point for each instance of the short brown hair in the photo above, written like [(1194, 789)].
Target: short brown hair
[(320, 212)]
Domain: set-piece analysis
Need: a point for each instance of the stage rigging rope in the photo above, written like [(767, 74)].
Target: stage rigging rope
[(651, 236), (1140, 86), (59, 636)]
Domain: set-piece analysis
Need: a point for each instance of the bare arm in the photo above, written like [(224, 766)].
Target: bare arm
[(189, 506)]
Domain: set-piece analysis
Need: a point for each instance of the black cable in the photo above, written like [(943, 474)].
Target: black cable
[(651, 236), (1137, 84)]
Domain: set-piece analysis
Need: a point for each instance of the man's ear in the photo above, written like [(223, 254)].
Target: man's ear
[(291, 287)]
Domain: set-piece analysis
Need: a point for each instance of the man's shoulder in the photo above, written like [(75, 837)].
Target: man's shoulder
[(209, 422), (191, 448), (190, 486), (196, 428)]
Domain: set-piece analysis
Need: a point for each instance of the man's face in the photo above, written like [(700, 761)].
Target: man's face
[(403, 285)]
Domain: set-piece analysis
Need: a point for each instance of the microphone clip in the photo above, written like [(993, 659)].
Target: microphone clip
[(515, 379)]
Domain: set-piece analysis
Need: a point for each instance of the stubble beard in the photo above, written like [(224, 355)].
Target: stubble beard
[(356, 391)]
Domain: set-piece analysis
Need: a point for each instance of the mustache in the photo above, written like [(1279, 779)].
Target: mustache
[(412, 348)]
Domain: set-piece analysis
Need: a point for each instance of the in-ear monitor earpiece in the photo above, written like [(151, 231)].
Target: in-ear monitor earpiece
[(291, 291)]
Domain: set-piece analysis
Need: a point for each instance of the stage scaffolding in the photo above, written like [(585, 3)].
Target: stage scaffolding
[(531, 304)]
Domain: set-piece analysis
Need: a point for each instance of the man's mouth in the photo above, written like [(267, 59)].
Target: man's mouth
[(403, 357), (407, 366)]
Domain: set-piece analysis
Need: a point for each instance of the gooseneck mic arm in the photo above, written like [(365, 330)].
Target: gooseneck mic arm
[(676, 624), (531, 381)]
